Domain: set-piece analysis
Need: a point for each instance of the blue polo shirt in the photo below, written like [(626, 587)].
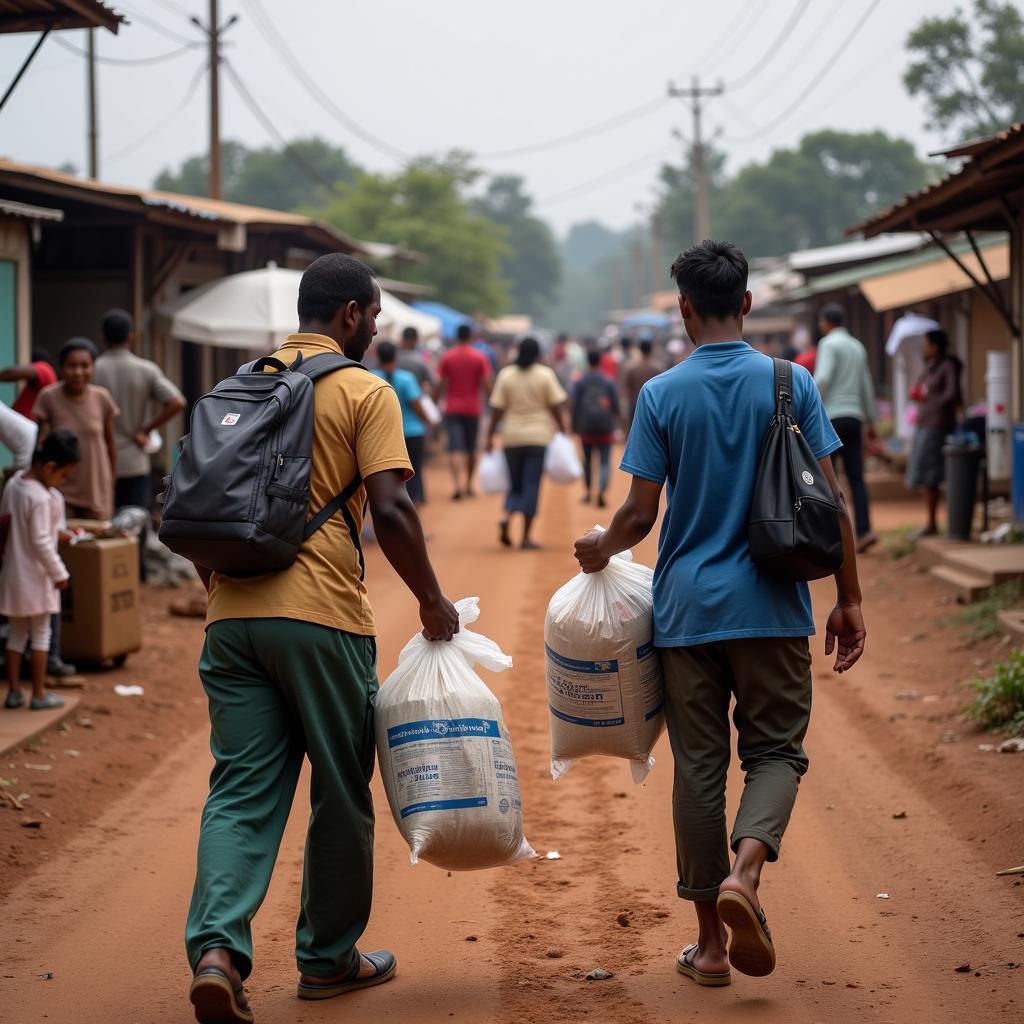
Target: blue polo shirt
[(407, 387), (699, 429)]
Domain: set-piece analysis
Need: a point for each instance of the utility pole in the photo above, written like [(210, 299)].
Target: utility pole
[(94, 135), (214, 31), (656, 271), (636, 254), (698, 154)]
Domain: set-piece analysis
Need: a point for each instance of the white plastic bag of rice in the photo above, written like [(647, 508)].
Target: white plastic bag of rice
[(445, 754), (605, 690)]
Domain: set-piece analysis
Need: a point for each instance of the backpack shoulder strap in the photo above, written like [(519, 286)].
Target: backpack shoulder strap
[(339, 503), (327, 362), (783, 387)]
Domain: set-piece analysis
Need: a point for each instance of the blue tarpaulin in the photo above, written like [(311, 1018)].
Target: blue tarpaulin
[(655, 320), (451, 319)]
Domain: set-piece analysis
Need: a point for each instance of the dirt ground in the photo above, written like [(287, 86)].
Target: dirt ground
[(899, 801)]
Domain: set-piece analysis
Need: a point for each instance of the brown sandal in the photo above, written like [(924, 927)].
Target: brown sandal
[(216, 1000), (684, 965), (751, 950)]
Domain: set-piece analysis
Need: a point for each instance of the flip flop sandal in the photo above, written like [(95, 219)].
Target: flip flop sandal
[(216, 1000), (384, 962), (751, 950), (712, 979), (14, 700), (47, 703)]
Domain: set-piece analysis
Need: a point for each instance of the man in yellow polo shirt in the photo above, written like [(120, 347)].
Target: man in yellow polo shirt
[(289, 667)]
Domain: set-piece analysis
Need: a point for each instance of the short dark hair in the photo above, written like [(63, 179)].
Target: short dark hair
[(40, 355), (529, 352), (646, 347), (331, 282), (594, 358), (386, 352), (59, 446), (713, 277), (626, 342), (833, 314), (940, 339), (76, 345), (117, 325), (464, 333), (410, 334)]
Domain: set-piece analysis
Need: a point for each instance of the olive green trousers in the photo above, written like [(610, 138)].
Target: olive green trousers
[(281, 690), (770, 678)]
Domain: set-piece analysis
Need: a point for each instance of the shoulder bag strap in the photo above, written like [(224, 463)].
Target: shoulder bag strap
[(783, 388)]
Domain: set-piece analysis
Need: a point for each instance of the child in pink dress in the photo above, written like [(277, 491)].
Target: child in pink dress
[(32, 572)]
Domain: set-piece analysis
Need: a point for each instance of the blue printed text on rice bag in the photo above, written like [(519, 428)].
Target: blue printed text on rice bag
[(443, 729), (650, 680), (586, 693), (443, 805)]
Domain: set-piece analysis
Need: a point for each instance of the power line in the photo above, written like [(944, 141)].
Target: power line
[(298, 69), (156, 26), (123, 151), (174, 8), (607, 178), (584, 133), (286, 148), (807, 91), (127, 62), (773, 50), (729, 35)]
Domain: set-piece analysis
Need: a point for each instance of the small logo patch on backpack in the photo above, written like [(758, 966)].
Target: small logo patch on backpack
[(231, 419), (807, 478)]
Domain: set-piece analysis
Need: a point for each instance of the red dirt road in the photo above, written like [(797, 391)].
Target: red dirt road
[(105, 912)]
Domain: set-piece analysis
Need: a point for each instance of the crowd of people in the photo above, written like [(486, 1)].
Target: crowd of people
[(81, 434)]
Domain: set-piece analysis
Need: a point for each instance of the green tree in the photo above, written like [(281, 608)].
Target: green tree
[(301, 174), (799, 197), (426, 207), (530, 266), (971, 76)]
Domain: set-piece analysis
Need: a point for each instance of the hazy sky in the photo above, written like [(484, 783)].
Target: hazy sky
[(482, 75)]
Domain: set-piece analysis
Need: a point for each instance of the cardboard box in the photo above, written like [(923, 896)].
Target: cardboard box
[(100, 616)]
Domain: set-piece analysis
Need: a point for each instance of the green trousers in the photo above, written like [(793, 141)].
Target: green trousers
[(279, 690), (770, 678)]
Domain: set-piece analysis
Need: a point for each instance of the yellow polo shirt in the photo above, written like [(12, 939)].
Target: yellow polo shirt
[(357, 429)]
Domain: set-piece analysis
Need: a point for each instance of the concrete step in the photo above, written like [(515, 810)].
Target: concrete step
[(996, 563), (967, 587), (932, 551), (1012, 621)]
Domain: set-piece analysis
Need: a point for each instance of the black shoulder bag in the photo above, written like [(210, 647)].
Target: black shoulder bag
[(794, 527)]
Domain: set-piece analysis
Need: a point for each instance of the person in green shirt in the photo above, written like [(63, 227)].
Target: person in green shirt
[(843, 377)]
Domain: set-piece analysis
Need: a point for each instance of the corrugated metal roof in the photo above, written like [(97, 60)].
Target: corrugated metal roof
[(985, 157), (848, 252), (22, 211), (38, 15)]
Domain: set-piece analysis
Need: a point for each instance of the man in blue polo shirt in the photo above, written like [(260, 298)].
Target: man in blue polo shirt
[(723, 627)]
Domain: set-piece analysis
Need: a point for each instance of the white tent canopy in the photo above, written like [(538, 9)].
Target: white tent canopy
[(256, 310)]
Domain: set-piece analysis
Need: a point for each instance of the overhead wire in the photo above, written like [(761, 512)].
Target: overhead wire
[(156, 26), (123, 151), (287, 55), (174, 8), (743, 22), (607, 178), (774, 47), (272, 130), (127, 62), (808, 90), (583, 133)]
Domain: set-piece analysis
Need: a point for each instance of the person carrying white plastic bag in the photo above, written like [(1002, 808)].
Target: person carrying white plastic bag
[(445, 754), (605, 690), (492, 476), (561, 461)]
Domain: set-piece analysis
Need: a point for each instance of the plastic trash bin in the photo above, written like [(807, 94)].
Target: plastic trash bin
[(963, 461)]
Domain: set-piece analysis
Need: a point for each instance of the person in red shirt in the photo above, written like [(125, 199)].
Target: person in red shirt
[(37, 375), (465, 374)]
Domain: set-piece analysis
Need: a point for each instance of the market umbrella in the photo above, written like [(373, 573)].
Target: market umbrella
[(256, 310), (904, 346)]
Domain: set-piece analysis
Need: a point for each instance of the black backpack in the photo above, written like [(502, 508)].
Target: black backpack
[(594, 415), (794, 527), (237, 501)]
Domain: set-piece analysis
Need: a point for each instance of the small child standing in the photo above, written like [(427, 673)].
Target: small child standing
[(32, 571)]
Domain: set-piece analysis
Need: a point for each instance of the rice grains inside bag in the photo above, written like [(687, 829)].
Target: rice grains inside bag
[(445, 753), (605, 689)]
